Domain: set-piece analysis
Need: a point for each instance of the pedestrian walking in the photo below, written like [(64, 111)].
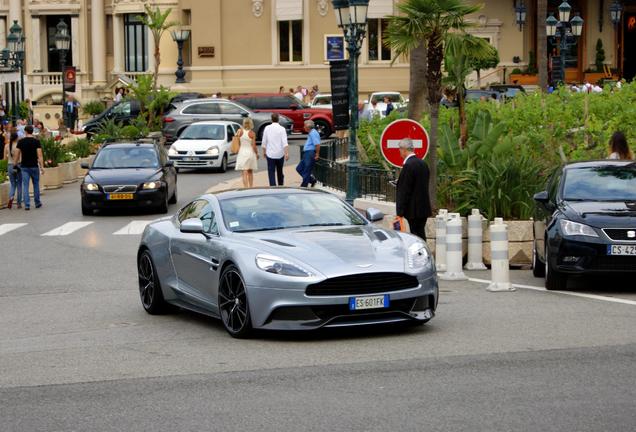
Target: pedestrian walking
[(618, 147), (275, 150), (15, 174), (389, 106), (412, 199), (28, 153), (71, 111), (311, 152), (247, 157)]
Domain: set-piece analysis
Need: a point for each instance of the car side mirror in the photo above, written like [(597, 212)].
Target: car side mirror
[(374, 215), (245, 115), (169, 163), (192, 226), (84, 165), (542, 197)]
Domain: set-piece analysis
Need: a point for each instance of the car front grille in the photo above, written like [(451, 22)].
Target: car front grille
[(120, 189), (621, 234), (614, 263), (368, 283)]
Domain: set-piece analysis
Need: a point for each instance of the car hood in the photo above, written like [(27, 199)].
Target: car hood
[(124, 176), (602, 214), (196, 145), (336, 251)]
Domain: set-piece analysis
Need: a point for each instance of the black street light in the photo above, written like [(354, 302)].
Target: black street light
[(180, 36), (63, 44), (15, 42), (616, 10), (564, 28), (520, 14), (351, 16)]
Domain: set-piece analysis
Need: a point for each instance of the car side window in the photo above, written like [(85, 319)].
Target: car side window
[(200, 209), (230, 133), (208, 218), (185, 212), (122, 109), (229, 108), (281, 102), (202, 108)]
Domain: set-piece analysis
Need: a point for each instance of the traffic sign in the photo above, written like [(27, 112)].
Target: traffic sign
[(396, 132)]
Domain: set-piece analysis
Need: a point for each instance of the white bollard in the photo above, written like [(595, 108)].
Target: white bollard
[(440, 240), (454, 251), (499, 257), (475, 242)]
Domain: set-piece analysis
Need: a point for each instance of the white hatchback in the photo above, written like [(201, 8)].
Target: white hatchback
[(205, 145)]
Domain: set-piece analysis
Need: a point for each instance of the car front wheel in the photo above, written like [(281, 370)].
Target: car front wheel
[(149, 286), (538, 269), (223, 167), (323, 129), (554, 280), (233, 306)]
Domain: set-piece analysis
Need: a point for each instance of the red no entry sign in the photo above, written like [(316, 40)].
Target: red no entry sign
[(396, 132)]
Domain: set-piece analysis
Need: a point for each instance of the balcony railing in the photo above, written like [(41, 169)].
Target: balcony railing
[(47, 78)]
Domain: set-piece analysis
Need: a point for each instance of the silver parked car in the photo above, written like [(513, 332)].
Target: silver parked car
[(182, 114), (284, 259)]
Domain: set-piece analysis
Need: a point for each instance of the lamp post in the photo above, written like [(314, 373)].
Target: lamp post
[(520, 14), (15, 41), (351, 17), (563, 28), (63, 43), (616, 10), (180, 36)]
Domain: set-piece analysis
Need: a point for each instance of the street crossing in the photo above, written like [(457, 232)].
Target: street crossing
[(135, 227)]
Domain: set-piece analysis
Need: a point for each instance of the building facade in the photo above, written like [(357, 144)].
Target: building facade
[(259, 45)]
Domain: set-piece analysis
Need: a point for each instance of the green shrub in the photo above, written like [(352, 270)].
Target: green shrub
[(93, 107), (68, 156), (23, 110), (130, 132), (516, 71), (108, 130), (3, 170), (81, 147), (52, 152)]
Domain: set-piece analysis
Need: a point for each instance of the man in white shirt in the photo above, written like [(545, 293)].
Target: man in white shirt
[(275, 150)]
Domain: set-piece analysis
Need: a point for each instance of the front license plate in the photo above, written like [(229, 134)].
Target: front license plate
[(371, 302), (121, 196), (191, 159), (624, 250)]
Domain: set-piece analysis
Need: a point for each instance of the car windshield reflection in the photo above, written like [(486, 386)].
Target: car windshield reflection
[(286, 211), (605, 183), (126, 157), (204, 132)]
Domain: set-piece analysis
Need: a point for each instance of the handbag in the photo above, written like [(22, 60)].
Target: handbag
[(236, 143)]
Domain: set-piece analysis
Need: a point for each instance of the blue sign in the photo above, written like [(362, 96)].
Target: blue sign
[(335, 48)]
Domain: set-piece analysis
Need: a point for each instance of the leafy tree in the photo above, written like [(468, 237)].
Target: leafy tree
[(430, 21), (488, 61), (152, 101), (157, 22)]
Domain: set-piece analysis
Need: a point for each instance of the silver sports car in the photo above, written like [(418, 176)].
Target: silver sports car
[(284, 259)]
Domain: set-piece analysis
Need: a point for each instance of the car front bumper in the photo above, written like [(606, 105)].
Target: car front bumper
[(293, 309), (142, 198), (582, 256), (196, 161)]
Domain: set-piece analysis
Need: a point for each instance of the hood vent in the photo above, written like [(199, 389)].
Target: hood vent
[(380, 235), (278, 243)]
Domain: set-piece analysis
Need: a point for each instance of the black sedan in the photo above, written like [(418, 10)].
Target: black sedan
[(129, 175), (585, 222)]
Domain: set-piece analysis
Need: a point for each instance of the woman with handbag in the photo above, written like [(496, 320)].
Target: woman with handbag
[(15, 176), (247, 158)]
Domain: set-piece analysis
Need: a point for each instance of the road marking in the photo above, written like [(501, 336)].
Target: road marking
[(570, 293), (133, 228), (393, 144), (5, 228), (67, 228)]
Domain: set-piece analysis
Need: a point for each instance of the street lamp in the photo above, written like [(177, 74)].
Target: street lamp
[(615, 12), (180, 36), (520, 14), (562, 29), (63, 44), (351, 17), (15, 41)]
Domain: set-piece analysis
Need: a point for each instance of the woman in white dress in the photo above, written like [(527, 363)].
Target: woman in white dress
[(247, 157)]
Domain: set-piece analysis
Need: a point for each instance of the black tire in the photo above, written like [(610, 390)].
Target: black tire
[(554, 280), (223, 167), (163, 207), (234, 309), (538, 268), (149, 286), (86, 211), (323, 128), (173, 198)]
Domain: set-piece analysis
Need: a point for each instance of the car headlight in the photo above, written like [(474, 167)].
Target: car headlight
[(152, 185), (570, 228), (213, 151), (91, 186), (418, 256), (280, 266), (172, 151)]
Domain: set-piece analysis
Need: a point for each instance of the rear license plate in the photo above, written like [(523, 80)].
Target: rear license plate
[(370, 302), (121, 196), (621, 250)]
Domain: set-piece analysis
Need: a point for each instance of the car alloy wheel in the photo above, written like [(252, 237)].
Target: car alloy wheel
[(223, 167), (323, 129), (149, 286), (233, 306)]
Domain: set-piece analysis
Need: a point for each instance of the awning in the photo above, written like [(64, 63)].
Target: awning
[(287, 10), (380, 8)]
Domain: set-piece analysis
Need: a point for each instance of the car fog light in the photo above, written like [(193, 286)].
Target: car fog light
[(570, 259)]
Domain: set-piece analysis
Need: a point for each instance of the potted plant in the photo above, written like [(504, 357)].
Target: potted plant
[(52, 153), (93, 108), (69, 167), (527, 77), (82, 148)]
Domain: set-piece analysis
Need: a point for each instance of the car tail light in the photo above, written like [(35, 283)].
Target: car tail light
[(168, 119)]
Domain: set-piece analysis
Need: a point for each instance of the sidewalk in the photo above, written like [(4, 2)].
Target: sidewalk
[(292, 179)]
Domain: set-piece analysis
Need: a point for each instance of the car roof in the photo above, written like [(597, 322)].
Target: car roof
[(206, 99), (214, 122), (599, 163), (260, 191), (128, 144), (262, 94)]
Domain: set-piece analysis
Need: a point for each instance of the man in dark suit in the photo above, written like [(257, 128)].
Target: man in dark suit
[(413, 201)]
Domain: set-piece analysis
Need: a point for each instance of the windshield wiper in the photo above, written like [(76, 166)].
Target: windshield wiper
[(260, 229), (325, 224)]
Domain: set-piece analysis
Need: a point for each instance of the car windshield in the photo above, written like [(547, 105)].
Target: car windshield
[(393, 97), (203, 132), (324, 100), (126, 157), (290, 210), (603, 183)]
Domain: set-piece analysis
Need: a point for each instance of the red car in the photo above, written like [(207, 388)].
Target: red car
[(291, 107)]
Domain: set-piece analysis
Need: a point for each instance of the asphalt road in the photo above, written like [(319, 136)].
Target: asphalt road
[(77, 351)]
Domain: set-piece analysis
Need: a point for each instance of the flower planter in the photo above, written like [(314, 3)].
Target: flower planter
[(81, 172), (523, 79), (69, 172), (52, 178), (4, 194)]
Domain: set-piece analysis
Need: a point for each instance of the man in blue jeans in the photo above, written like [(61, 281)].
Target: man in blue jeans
[(311, 152), (28, 153)]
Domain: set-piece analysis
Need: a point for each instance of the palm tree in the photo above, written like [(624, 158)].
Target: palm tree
[(463, 54), (542, 44), (157, 22), (428, 21)]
